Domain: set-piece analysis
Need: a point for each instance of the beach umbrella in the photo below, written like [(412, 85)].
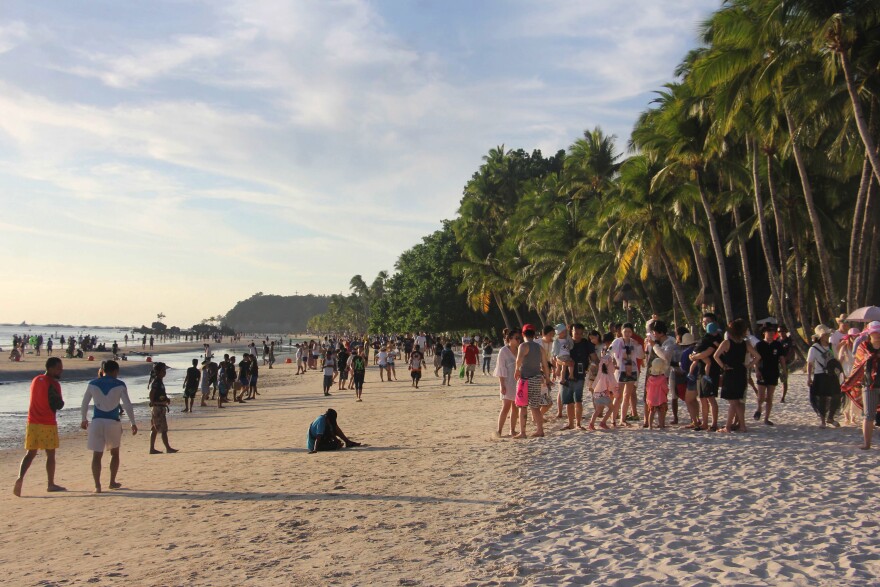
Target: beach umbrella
[(866, 314), (768, 320)]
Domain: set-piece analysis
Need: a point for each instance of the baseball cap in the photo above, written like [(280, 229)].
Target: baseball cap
[(527, 327)]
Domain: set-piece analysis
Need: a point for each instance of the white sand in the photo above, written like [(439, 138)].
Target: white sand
[(435, 501)]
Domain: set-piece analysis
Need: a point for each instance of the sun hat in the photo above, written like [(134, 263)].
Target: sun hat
[(853, 332), (821, 330), (872, 328), (658, 366), (560, 328), (687, 339)]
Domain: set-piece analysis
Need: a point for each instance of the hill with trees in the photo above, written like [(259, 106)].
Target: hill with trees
[(273, 313)]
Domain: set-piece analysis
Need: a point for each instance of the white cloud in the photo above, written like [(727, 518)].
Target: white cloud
[(12, 34)]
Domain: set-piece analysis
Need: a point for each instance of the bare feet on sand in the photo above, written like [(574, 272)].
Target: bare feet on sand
[(16, 489)]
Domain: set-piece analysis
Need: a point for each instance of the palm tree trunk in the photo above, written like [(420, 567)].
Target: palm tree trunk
[(871, 285), (677, 289), (747, 274), (501, 309), (518, 317), (818, 236), (772, 269), (700, 259), (859, 114), (856, 238), (718, 246), (803, 310), (781, 230), (596, 316), (865, 240)]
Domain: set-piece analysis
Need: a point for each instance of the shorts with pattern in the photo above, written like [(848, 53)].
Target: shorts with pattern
[(158, 421), (41, 437), (190, 392), (535, 387)]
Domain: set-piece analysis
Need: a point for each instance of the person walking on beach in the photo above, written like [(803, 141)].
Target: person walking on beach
[(358, 373), (532, 374), (41, 431), (151, 343), (159, 403), (416, 361), (391, 357), (191, 386), (768, 372), (329, 371), (447, 362), (823, 383), (505, 367), (105, 430), (471, 354), (342, 358), (487, 356), (438, 352)]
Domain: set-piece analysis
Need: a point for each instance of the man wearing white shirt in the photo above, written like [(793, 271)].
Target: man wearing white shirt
[(105, 430), (838, 335)]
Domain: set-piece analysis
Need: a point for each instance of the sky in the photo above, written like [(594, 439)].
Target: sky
[(177, 156)]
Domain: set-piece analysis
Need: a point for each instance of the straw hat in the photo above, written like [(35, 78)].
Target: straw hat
[(659, 366), (687, 339), (822, 330)]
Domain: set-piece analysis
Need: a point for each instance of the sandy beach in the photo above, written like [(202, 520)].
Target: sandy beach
[(435, 500)]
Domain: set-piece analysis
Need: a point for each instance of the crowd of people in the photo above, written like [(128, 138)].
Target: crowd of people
[(564, 364)]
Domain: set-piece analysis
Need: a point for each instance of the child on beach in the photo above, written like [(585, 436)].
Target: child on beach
[(657, 387), (205, 383), (604, 386)]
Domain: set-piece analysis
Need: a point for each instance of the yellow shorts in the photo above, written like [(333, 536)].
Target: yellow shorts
[(41, 437)]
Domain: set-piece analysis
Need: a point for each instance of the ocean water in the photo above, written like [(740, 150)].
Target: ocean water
[(15, 397)]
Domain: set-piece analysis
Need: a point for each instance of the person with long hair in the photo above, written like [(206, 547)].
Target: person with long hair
[(505, 367), (736, 355), (627, 353)]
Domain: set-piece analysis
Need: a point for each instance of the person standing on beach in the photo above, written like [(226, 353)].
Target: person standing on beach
[(532, 374), (159, 403), (254, 376), (205, 383), (358, 372), (580, 360), (329, 371), (105, 430), (627, 353), (191, 386), (736, 356), (342, 358), (708, 371), (41, 431), (505, 366), (151, 343), (785, 358)]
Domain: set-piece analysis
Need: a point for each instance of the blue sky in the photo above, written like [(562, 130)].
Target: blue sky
[(180, 155)]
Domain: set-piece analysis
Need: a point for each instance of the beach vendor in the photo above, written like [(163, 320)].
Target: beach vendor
[(325, 434)]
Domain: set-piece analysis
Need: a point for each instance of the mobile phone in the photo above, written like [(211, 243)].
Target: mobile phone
[(580, 368)]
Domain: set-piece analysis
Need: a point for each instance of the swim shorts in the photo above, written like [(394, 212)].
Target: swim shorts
[(104, 434), (41, 437)]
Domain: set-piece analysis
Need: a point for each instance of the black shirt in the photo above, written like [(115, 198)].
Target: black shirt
[(770, 353), (244, 369), (580, 354), (193, 375), (157, 392), (713, 341)]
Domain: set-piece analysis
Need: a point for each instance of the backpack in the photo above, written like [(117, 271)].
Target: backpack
[(831, 365)]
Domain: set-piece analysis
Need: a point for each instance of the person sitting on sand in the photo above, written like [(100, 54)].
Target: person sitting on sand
[(325, 434)]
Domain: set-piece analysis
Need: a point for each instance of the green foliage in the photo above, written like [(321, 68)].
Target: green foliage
[(273, 313)]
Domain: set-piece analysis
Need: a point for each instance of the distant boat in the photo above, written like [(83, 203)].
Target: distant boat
[(23, 324)]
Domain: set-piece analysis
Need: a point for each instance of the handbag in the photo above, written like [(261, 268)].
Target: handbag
[(522, 393), (461, 372)]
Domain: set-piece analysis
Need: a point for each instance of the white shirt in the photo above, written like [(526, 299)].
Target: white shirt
[(835, 339), (818, 358), (618, 350)]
